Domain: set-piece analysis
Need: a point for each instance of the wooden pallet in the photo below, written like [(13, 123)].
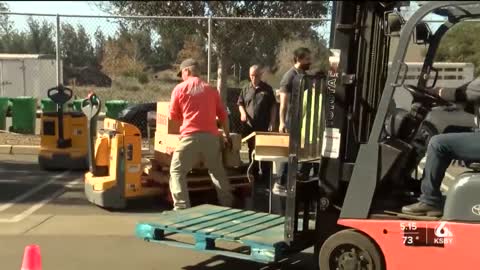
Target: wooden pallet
[(261, 233), (197, 181)]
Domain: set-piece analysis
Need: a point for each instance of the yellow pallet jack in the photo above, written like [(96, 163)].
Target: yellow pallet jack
[(63, 142), (115, 161)]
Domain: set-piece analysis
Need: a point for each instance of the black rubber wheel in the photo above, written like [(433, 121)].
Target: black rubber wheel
[(350, 250), (137, 116)]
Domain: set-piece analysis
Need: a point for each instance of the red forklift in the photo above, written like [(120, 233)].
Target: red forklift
[(369, 151)]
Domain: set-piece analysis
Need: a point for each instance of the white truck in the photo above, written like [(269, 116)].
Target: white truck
[(450, 75), (27, 75)]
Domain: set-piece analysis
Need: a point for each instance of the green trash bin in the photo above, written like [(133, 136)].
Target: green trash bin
[(114, 107), (24, 115), (3, 112), (77, 105), (48, 105)]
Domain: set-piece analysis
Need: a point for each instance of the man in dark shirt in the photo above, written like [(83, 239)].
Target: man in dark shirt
[(257, 111), (442, 149), (302, 60)]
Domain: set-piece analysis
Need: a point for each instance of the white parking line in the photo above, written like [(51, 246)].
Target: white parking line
[(32, 191), (23, 182), (16, 181), (40, 204), (21, 171)]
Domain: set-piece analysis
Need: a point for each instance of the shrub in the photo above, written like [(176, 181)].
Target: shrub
[(126, 83), (143, 78)]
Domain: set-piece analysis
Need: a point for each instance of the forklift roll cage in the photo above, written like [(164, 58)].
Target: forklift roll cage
[(364, 179), (361, 175)]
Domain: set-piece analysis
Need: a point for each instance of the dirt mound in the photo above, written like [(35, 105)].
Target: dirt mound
[(86, 76)]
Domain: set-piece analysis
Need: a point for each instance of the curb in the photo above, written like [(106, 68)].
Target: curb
[(19, 149), (5, 149)]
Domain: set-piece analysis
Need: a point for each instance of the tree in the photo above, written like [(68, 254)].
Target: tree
[(77, 50), (5, 23), (68, 44), (5, 28), (284, 60), (231, 39), (192, 48), (99, 45), (16, 42), (37, 39), (460, 44), (84, 48), (121, 58), (40, 37)]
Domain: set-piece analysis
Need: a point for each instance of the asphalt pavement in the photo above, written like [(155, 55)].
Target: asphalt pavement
[(49, 209)]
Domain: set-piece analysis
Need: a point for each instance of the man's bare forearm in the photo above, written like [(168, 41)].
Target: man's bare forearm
[(273, 116), (242, 109), (283, 107), (226, 128)]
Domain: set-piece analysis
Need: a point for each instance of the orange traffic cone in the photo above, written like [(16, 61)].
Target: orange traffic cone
[(31, 258)]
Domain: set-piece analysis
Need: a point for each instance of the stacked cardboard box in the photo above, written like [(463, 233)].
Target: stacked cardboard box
[(165, 126), (270, 144), (167, 137)]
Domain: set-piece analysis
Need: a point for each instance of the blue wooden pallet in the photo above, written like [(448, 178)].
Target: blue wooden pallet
[(262, 233)]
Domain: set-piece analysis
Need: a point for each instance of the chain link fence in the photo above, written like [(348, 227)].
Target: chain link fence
[(27, 56), (135, 58)]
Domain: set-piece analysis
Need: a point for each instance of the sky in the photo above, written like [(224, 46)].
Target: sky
[(62, 7), (84, 8), (76, 8)]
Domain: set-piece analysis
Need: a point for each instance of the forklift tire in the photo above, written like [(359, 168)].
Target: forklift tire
[(350, 250)]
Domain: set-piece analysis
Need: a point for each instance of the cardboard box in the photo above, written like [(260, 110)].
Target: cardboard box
[(270, 143), (165, 145), (164, 124), (231, 157)]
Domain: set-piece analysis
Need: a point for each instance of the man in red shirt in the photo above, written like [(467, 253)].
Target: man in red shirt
[(197, 105)]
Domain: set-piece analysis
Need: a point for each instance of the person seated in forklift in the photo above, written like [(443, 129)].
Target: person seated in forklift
[(302, 58), (256, 104), (444, 148), (197, 105)]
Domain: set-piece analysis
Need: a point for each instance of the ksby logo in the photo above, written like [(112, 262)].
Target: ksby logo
[(443, 234)]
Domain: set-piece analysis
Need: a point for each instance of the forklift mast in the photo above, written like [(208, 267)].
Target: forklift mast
[(351, 93), (355, 87)]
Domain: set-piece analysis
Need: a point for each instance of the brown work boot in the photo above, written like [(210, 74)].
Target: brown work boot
[(422, 209)]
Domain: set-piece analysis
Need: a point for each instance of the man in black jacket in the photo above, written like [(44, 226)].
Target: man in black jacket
[(257, 104), (444, 148)]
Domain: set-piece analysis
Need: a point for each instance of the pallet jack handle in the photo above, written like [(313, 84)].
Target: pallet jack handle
[(91, 108), (60, 95)]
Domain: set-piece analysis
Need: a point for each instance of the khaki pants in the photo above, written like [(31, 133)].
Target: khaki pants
[(190, 149)]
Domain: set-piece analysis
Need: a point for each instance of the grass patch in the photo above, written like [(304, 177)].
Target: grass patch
[(131, 90)]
